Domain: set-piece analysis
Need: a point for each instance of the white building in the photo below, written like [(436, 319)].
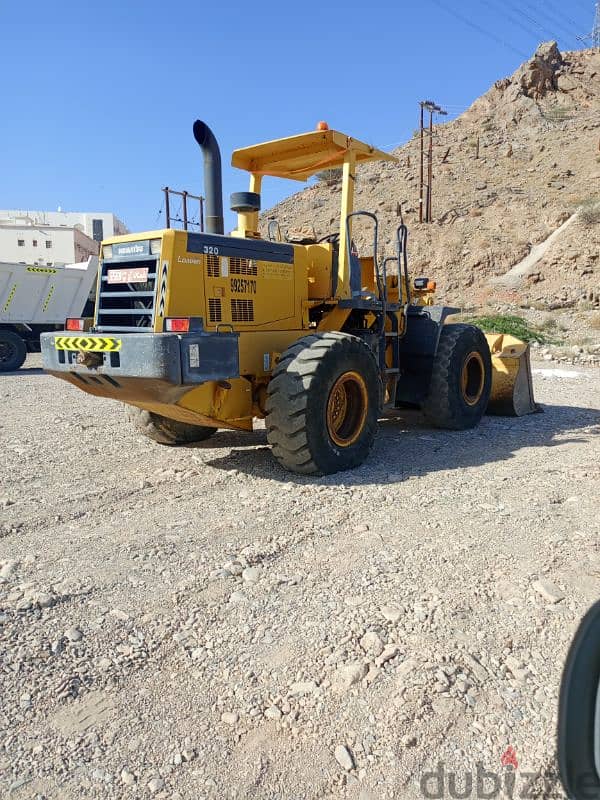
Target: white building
[(97, 225), (54, 237)]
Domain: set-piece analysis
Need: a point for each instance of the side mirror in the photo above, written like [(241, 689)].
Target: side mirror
[(579, 712)]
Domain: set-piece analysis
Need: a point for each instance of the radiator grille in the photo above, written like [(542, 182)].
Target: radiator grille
[(212, 266), (214, 310), (127, 306), (242, 310), (242, 266)]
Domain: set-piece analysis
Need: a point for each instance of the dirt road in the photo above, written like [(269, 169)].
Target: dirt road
[(194, 622)]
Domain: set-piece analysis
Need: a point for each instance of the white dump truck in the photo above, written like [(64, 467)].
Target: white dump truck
[(34, 299)]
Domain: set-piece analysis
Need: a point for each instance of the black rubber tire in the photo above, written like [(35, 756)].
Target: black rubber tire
[(445, 406), (13, 351), (297, 400), (167, 431)]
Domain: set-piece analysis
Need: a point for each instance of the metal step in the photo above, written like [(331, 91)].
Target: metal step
[(122, 328), (123, 312), (133, 294)]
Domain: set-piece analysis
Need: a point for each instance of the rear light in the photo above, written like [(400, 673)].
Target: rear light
[(75, 324), (431, 286), (178, 325)]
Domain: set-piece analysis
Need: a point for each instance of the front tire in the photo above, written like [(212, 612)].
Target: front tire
[(13, 351), (167, 431), (461, 379), (323, 404)]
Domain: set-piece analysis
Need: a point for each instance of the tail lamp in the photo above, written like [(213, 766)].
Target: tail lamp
[(177, 324), (77, 324)]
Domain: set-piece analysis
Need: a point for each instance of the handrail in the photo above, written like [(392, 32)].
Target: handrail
[(355, 277), (401, 242)]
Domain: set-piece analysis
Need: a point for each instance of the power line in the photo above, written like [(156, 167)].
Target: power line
[(561, 13), (555, 20), (575, 116), (514, 20), (479, 28), (545, 29)]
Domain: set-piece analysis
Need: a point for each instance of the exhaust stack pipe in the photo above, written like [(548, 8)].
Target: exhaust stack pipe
[(213, 187)]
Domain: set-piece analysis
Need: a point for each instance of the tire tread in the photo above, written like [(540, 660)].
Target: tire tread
[(288, 395), (167, 431), (442, 407)]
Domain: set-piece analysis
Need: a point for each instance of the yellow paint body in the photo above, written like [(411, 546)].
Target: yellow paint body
[(269, 304)]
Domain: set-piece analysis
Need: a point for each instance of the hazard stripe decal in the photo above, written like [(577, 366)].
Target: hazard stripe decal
[(88, 344), (42, 270), (47, 303), (163, 289), (10, 297)]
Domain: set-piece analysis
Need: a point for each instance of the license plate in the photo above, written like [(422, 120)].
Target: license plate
[(134, 275)]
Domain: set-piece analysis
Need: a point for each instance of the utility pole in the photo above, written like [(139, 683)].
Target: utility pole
[(184, 195), (422, 104), (425, 189), (429, 168), (166, 190), (594, 36)]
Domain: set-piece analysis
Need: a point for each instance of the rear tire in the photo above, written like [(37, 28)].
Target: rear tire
[(461, 379), (323, 404), (13, 351), (167, 431)]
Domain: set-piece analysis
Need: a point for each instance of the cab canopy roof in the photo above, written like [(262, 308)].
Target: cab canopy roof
[(299, 157)]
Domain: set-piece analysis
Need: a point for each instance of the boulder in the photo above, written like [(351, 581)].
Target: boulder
[(537, 77)]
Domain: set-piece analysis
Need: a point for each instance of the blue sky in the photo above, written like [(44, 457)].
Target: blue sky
[(99, 98)]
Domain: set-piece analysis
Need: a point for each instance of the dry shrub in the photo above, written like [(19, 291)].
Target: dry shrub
[(589, 212), (330, 176)]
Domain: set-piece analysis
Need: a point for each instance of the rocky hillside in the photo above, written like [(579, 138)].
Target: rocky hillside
[(537, 165)]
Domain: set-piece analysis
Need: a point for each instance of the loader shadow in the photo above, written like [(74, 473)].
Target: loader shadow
[(24, 372), (407, 446)]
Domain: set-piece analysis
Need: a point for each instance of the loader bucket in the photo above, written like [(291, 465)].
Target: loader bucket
[(512, 386)]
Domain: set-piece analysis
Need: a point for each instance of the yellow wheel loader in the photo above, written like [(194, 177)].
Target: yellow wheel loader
[(200, 331)]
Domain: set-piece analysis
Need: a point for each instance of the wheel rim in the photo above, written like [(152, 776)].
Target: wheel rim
[(472, 378), (7, 352), (347, 409)]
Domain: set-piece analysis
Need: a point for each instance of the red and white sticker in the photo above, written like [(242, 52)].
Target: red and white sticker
[(134, 275)]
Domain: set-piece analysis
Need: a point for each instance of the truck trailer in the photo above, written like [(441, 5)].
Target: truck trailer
[(35, 299)]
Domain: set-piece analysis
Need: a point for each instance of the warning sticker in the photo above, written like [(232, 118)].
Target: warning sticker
[(278, 272), (88, 344)]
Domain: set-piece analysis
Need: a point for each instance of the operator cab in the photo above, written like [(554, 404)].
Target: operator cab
[(299, 158)]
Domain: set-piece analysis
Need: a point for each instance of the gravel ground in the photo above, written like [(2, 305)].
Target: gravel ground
[(194, 622)]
